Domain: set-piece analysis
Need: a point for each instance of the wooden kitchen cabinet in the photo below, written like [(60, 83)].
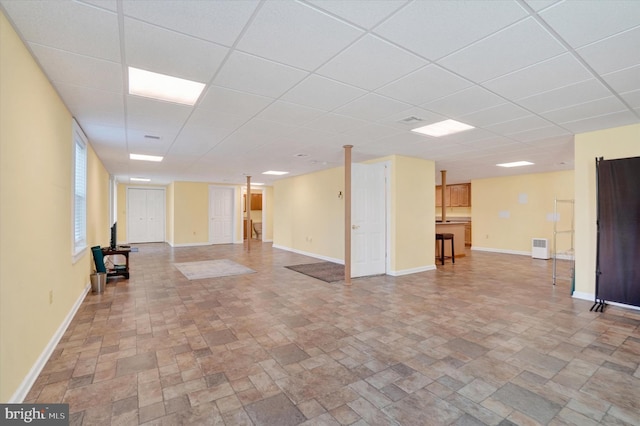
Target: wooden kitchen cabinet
[(256, 201), (457, 195)]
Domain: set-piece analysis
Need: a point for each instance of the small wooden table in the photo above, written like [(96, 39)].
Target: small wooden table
[(124, 251)]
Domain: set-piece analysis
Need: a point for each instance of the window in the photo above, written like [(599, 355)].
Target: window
[(79, 190)]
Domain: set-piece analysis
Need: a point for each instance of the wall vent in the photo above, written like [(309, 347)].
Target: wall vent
[(411, 120), (540, 248)]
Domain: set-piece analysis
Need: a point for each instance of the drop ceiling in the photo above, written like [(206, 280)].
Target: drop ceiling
[(289, 83)]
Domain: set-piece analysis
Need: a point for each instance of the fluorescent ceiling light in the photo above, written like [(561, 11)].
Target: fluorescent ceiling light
[(257, 183), (443, 128), (139, 179), (143, 157), (163, 87), (515, 164), (274, 172)]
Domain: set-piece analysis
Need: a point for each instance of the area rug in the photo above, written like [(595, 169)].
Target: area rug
[(326, 271), (212, 269)]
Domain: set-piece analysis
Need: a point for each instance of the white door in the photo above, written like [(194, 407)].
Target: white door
[(145, 215), (221, 215), (368, 220)]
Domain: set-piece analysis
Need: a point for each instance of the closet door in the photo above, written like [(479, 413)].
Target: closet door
[(145, 215)]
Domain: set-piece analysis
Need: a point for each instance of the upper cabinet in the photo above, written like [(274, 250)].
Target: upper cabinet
[(458, 195)]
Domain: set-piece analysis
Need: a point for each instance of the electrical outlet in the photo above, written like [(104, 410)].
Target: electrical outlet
[(50, 297)]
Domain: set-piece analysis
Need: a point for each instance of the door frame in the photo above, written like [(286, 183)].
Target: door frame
[(233, 213), (241, 212), (164, 212)]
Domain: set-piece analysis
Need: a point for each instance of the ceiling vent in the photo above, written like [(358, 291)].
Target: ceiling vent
[(411, 120)]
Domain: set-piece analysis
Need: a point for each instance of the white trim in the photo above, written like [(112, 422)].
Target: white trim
[(591, 298), (314, 255), (494, 250), (190, 244), (412, 270), (24, 388)]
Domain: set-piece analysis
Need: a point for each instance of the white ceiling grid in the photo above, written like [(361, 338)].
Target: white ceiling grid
[(290, 82)]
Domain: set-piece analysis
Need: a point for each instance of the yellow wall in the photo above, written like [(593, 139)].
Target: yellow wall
[(308, 216), (267, 227), (121, 218), (191, 212), (412, 216), (490, 197), (35, 214), (620, 142), (170, 217)]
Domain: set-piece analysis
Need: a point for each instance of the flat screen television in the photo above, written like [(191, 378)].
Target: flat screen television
[(114, 235)]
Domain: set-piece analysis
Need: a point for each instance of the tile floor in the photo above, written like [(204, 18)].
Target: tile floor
[(488, 341)]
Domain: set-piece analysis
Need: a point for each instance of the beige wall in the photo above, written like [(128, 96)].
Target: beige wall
[(309, 217), (170, 219), (35, 216), (620, 142), (191, 213), (495, 196)]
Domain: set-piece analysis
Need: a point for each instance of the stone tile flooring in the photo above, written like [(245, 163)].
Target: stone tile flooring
[(488, 341)]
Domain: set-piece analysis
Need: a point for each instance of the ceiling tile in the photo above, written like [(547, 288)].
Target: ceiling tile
[(69, 68), (93, 106), (370, 63), (614, 53), (434, 29), (616, 119), (259, 76), (296, 34), (288, 113), (322, 93), (335, 123), (424, 85), (181, 56), (538, 5), (230, 101), (557, 72), (538, 134), (372, 132), (372, 107), (217, 21), (493, 115), (398, 119), (149, 113), (502, 52), (583, 22), (632, 98), (364, 13), (566, 96), (464, 102), (94, 31), (624, 80), (595, 108), (528, 122)]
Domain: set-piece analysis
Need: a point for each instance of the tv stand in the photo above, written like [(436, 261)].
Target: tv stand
[(123, 251)]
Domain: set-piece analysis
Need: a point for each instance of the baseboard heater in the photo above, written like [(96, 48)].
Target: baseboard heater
[(540, 248)]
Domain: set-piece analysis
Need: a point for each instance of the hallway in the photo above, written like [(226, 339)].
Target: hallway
[(488, 340)]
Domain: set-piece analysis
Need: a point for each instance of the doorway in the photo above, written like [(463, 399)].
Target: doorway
[(145, 215), (369, 219), (221, 206)]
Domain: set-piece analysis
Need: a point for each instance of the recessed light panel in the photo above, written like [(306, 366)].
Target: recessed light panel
[(140, 179), (443, 128), (274, 172), (163, 87), (515, 164), (143, 157)]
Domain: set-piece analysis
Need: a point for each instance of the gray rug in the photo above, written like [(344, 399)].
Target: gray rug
[(212, 269), (328, 272)]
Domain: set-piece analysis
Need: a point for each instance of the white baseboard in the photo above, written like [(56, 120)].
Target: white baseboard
[(314, 255), (494, 250), (190, 244), (591, 297), (24, 388), (412, 270)]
